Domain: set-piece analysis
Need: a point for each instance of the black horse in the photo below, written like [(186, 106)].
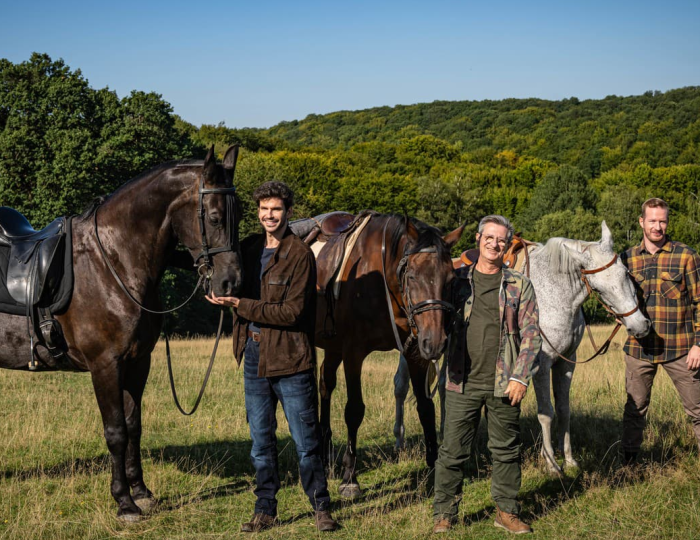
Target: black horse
[(135, 231)]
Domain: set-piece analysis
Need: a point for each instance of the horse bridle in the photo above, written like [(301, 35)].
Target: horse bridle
[(205, 269), (604, 348), (231, 226), (406, 304), (591, 290)]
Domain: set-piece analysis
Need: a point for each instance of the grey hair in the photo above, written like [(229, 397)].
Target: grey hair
[(498, 220)]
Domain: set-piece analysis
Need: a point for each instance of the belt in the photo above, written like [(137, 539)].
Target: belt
[(255, 336)]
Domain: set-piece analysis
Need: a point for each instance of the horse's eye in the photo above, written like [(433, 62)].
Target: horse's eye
[(215, 220)]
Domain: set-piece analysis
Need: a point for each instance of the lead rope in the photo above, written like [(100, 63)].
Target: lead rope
[(399, 345), (206, 376)]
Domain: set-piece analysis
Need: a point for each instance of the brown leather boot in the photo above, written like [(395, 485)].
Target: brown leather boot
[(259, 522), (325, 522), (511, 523), (442, 525)]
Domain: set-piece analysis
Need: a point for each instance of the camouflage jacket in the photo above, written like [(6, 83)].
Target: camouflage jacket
[(520, 333)]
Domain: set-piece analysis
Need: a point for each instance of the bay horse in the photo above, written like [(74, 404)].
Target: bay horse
[(135, 230), (556, 269), (397, 274)]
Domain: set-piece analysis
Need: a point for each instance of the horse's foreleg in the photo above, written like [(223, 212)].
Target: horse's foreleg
[(328, 381), (401, 384), (354, 414), (134, 384), (106, 381), (426, 409), (562, 375), (545, 412)]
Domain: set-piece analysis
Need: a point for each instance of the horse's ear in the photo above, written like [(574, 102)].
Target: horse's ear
[(407, 223), (209, 163), (607, 240), (230, 159), (580, 258), (453, 237)]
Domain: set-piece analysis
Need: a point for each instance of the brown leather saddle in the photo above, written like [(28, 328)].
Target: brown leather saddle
[(333, 229), (513, 257)]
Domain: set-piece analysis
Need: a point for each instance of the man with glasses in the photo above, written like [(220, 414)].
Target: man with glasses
[(491, 357)]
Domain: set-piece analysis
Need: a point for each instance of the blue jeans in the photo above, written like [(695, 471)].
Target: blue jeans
[(298, 396)]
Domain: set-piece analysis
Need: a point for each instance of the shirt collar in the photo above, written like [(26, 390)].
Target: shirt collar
[(667, 247)]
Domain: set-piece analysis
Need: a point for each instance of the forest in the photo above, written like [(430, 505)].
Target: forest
[(556, 168)]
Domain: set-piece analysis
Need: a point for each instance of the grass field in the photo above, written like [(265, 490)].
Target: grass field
[(54, 465)]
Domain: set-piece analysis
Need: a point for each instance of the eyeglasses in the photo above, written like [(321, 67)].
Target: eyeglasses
[(502, 242)]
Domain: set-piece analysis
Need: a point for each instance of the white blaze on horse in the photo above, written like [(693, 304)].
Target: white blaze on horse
[(556, 270)]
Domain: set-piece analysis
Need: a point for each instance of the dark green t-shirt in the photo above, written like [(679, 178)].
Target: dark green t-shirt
[(483, 332)]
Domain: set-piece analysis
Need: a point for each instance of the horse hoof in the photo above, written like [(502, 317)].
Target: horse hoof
[(147, 504), (556, 472), (350, 491), (129, 518), (573, 464)]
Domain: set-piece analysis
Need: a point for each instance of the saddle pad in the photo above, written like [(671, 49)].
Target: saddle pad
[(316, 247), (350, 242)]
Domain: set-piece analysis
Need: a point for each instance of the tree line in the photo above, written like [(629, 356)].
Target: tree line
[(556, 168)]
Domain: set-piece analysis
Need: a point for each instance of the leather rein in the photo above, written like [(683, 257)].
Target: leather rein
[(604, 348), (205, 271)]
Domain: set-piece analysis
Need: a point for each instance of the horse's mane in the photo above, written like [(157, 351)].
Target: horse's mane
[(154, 171), (559, 258), (428, 236)]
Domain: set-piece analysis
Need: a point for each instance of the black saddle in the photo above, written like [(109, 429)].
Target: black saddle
[(31, 254), (36, 272)]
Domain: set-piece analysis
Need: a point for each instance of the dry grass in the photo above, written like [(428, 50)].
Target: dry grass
[(55, 468)]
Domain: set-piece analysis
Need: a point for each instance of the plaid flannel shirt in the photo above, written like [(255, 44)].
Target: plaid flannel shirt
[(668, 288)]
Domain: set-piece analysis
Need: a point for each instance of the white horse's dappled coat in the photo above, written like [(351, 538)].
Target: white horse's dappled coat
[(555, 271)]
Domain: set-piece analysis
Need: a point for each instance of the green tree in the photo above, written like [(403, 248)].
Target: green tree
[(565, 188)]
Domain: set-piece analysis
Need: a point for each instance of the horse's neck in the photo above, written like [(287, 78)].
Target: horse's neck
[(566, 288), (135, 221)]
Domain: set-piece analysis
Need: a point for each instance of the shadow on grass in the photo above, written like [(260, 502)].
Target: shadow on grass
[(593, 439)]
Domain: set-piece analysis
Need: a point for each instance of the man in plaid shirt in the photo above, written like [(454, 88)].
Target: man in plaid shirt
[(666, 274)]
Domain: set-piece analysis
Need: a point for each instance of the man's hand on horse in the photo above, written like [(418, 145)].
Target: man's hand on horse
[(226, 301), (516, 392), (693, 359)]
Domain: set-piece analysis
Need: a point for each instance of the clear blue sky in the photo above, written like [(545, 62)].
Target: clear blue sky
[(256, 63)]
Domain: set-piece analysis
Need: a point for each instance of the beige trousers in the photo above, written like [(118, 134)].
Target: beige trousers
[(639, 377)]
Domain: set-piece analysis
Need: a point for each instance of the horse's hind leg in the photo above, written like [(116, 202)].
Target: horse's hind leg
[(426, 409), (134, 384), (401, 385), (106, 380), (354, 414), (562, 374), (545, 412)]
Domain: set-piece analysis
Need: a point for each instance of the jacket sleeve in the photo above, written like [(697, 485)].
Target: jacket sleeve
[(526, 365), (290, 311)]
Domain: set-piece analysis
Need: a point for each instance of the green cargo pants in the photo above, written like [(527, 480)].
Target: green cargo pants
[(462, 415)]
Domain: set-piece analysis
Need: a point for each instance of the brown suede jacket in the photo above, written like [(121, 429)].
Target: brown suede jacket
[(286, 309)]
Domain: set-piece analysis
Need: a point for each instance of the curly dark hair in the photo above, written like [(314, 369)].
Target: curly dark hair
[(274, 189)]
